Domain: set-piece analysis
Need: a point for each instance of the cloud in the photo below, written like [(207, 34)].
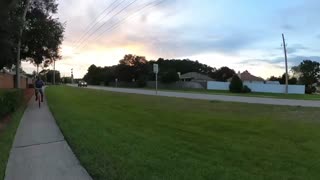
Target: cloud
[(177, 42), (300, 15), (279, 61), (178, 28), (288, 27), (295, 60), (295, 48)]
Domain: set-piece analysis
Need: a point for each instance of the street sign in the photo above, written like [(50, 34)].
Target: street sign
[(155, 68)]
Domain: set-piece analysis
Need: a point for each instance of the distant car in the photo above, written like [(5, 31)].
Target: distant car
[(82, 84)]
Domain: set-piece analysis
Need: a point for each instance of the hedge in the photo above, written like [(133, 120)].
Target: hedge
[(10, 101)]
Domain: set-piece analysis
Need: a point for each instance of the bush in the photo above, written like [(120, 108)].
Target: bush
[(10, 101), (236, 84), (246, 89), (310, 89), (142, 82), (170, 77)]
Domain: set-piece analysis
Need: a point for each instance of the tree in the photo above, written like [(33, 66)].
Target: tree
[(43, 34), (223, 74), (282, 79), (50, 76), (273, 78), (92, 77), (293, 81), (29, 26), (236, 84), (66, 80), (132, 67), (308, 72), (97, 75), (183, 66), (133, 60), (170, 77), (8, 27)]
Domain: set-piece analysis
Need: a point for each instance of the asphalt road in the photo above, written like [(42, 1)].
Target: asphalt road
[(241, 99)]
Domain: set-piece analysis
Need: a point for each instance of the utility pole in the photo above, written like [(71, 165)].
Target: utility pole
[(286, 60), (72, 76), (18, 63), (156, 71), (54, 72)]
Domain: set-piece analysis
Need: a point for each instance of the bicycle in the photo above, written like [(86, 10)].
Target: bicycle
[(37, 96)]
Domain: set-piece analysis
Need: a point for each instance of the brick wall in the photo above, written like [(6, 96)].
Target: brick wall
[(23, 82), (7, 81)]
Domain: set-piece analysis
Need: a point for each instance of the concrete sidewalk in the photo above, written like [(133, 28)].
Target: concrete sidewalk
[(40, 152)]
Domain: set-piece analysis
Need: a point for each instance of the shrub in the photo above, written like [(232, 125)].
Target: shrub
[(142, 82), (9, 101), (246, 89), (170, 77), (310, 89), (236, 84)]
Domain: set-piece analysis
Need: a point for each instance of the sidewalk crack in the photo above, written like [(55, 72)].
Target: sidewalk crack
[(38, 144)]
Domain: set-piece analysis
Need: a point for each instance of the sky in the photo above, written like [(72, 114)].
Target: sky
[(243, 34)]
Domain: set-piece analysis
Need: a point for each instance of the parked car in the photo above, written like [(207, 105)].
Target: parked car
[(82, 84)]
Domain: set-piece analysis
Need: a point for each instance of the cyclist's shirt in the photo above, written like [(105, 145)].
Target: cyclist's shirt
[(39, 84)]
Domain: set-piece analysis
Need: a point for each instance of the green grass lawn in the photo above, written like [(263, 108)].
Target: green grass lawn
[(126, 136), (6, 139)]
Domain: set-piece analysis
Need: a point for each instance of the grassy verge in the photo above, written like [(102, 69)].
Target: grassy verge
[(253, 94), (125, 136), (6, 139)]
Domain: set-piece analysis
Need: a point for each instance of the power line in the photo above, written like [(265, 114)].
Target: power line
[(126, 7), (114, 8), (94, 22), (86, 37), (130, 16), (116, 25)]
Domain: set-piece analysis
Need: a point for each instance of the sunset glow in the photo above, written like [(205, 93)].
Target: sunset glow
[(243, 35)]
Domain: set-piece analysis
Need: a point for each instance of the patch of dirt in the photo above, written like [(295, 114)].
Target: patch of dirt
[(4, 121), (27, 94)]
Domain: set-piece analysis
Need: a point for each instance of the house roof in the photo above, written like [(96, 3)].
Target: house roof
[(195, 76), (246, 76)]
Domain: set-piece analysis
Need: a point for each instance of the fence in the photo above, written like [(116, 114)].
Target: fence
[(152, 84), (259, 87), (7, 81), (177, 85)]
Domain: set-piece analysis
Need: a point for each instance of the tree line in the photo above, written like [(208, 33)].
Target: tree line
[(42, 33), (133, 68)]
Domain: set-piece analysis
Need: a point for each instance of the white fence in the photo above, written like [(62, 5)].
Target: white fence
[(259, 87)]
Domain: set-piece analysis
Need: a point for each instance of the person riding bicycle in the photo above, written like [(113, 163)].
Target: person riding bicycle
[(38, 87)]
